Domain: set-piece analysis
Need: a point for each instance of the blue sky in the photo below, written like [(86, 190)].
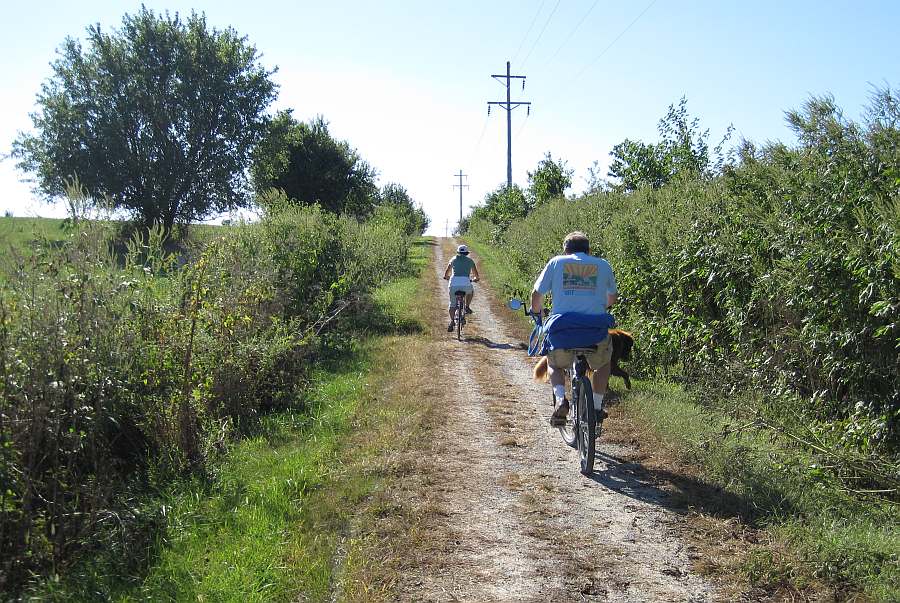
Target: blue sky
[(407, 83)]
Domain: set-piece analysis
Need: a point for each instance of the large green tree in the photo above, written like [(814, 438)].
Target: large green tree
[(683, 150), (311, 166), (159, 117), (396, 198), (549, 180)]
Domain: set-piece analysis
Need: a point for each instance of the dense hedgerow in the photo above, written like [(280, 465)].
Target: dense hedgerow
[(780, 274), (113, 377)]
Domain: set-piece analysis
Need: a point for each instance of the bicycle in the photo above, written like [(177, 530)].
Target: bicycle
[(460, 313), (581, 429)]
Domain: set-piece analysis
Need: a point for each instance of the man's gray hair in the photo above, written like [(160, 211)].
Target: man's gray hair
[(576, 242)]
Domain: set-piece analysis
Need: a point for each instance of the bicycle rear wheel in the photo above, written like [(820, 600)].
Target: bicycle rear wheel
[(460, 317), (586, 426)]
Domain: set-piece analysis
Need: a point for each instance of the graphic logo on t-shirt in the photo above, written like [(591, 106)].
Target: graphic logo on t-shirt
[(579, 279)]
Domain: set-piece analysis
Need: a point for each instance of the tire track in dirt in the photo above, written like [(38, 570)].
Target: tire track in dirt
[(515, 520)]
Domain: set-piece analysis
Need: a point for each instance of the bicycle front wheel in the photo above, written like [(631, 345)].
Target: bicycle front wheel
[(587, 426)]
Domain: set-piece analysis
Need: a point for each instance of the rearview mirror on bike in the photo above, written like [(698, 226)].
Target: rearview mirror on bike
[(515, 304)]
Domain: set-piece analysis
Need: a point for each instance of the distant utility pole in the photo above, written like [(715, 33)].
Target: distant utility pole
[(460, 175), (446, 226), (509, 105)]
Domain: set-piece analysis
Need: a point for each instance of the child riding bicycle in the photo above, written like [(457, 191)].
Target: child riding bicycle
[(461, 272), (583, 288)]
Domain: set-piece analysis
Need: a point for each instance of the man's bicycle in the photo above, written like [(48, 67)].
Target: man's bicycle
[(581, 429)]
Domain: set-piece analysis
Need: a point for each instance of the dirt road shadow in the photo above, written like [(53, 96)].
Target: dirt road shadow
[(678, 493), (491, 344)]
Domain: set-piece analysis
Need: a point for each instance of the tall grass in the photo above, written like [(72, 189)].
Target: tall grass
[(117, 374)]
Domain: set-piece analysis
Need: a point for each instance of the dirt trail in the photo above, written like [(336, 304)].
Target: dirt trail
[(513, 518)]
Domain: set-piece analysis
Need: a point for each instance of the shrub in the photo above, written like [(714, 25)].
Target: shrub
[(119, 372)]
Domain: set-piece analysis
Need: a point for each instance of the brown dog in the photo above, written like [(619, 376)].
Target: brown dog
[(622, 342)]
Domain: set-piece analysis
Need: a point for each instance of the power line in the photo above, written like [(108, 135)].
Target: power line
[(542, 32), (597, 58), (522, 127), (572, 33), (483, 130), (525, 37)]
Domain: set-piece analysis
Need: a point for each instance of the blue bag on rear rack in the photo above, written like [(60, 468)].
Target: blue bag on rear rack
[(575, 330)]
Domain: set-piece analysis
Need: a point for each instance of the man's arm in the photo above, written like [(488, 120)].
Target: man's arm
[(447, 271), (475, 275), (542, 283), (611, 298), (537, 302)]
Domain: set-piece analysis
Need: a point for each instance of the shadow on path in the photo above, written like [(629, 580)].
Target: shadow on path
[(678, 493), (491, 344)]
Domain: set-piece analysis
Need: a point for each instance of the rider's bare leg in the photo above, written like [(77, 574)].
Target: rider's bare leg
[(452, 312), (469, 299), (558, 383), (600, 379)]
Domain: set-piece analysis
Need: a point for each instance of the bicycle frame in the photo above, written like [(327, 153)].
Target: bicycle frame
[(460, 313)]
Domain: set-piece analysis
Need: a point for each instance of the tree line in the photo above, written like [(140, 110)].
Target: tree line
[(166, 120)]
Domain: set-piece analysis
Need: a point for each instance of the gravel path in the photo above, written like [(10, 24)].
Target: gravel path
[(515, 520)]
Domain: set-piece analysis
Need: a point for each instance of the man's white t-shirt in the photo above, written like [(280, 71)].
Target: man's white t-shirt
[(579, 283)]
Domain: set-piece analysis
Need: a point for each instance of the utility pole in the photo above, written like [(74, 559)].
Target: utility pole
[(446, 226), (460, 175), (509, 105)]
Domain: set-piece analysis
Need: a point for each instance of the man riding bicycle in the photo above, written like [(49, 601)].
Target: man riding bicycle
[(583, 288), (461, 272)]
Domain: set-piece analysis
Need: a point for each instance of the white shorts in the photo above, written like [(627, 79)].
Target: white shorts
[(459, 283)]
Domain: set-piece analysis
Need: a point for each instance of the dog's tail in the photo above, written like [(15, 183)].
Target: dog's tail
[(540, 370)]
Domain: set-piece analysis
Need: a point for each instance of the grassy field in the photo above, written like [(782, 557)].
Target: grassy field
[(22, 233), (810, 534), (291, 511)]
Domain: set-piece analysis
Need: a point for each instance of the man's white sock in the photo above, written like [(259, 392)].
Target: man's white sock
[(598, 401), (559, 391)]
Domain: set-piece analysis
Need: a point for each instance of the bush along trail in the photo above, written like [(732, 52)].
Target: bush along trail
[(129, 376)]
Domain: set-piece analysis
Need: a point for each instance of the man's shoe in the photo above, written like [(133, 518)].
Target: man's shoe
[(558, 418), (450, 327), (468, 310)]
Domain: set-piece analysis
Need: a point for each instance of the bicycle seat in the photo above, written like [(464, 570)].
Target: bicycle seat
[(459, 293), (587, 350)]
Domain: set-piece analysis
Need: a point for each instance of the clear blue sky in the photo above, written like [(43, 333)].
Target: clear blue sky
[(406, 83)]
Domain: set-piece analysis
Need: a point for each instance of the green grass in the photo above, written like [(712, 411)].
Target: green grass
[(257, 537), (819, 532), (830, 535), (22, 233), (273, 523)]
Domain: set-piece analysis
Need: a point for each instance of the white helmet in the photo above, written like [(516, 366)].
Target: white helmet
[(462, 249)]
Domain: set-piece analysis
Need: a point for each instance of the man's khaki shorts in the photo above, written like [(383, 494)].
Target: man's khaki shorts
[(562, 359)]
